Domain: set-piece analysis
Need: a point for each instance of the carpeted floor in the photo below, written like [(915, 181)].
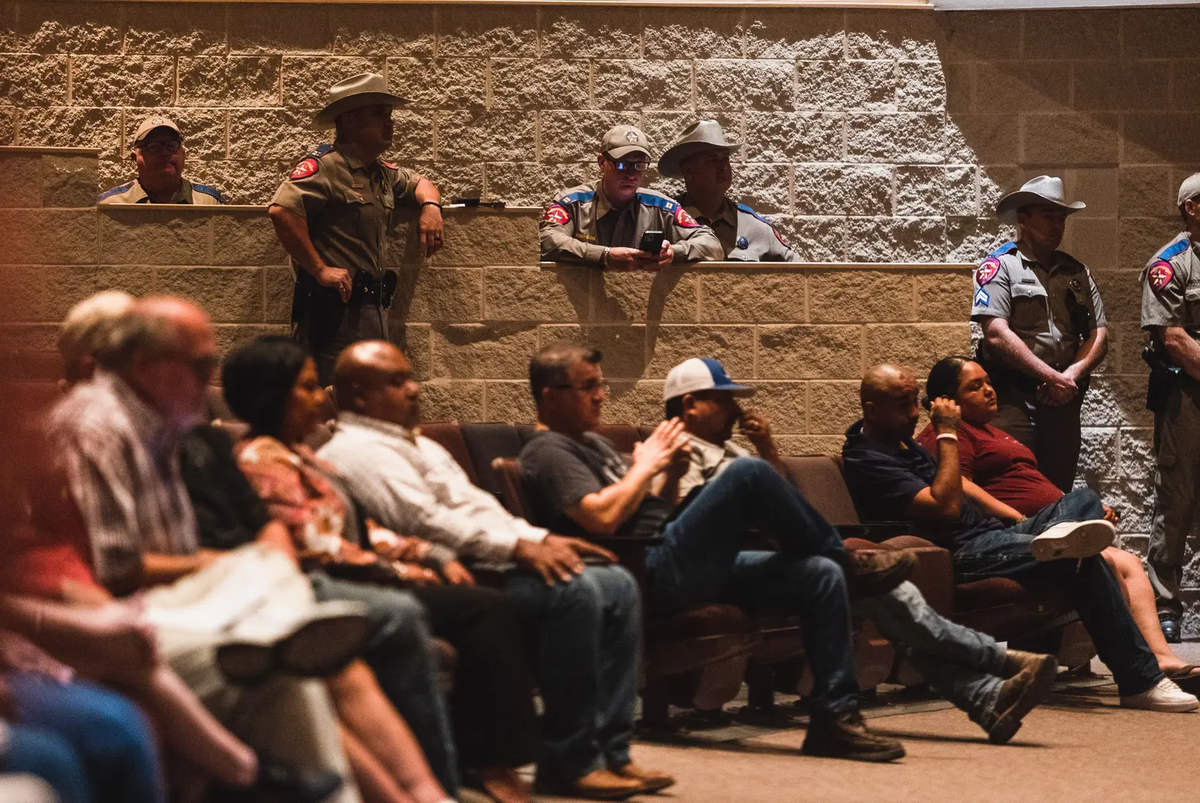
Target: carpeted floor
[(1077, 747)]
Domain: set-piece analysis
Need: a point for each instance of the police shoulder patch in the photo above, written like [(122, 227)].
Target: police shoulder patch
[(307, 167), (684, 219), (982, 299), (987, 271), (557, 215), (1160, 274), (389, 165)]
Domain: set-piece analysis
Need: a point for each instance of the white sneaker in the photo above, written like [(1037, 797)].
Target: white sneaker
[(1166, 698), (1073, 539)]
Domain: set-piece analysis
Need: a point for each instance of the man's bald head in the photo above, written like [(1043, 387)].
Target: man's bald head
[(373, 378), (888, 394)]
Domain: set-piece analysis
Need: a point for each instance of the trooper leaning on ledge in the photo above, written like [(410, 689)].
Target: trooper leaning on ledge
[(701, 158), (602, 223), (332, 215), (158, 153)]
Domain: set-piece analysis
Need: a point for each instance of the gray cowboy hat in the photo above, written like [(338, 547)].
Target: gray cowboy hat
[(701, 135), (1040, 191), (367, 89)]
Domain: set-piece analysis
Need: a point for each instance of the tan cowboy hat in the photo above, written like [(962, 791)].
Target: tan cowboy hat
[(1043, 190), (701, 135), (367, 89)]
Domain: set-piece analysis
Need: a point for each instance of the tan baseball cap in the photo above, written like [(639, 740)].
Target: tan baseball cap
[(623, 140), (1189, 189), (152, 122)]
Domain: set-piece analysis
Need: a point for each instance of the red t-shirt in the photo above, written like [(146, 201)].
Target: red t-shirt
[(1000, 465)]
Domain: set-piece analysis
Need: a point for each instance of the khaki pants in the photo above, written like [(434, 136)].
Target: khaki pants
[(1177, 445), (287, 718)]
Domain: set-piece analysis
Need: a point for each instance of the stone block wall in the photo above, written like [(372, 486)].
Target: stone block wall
[(870, 136)]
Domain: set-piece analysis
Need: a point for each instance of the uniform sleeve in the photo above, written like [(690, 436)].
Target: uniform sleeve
[(404, 188), (780, 251), (306, 190), (1163, 301), (1098, 319), (557, 234), (691, 241), (992, 290)]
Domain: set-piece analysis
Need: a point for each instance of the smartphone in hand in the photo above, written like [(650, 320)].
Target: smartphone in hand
[(652, 242)]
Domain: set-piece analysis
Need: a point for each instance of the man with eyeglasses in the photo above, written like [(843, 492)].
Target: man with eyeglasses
[(602, 224), (701, 158), (158, 153)]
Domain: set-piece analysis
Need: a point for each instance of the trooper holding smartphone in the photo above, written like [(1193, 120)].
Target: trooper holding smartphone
[(614, 223)]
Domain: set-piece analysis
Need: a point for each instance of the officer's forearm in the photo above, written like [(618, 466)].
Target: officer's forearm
[(1013, 352), (700, 247), (426, 191), (292, 231), (1184, 351), (558, 244), (1092, 351)]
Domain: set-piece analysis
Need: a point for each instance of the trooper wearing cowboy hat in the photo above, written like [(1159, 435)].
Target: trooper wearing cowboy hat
[(158, 153), (701, 158), (602, 223), (332, 214), (1044, 330), (1171, 314)]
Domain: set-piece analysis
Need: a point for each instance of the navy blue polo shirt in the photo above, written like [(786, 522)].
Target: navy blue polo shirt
[(883, 483)]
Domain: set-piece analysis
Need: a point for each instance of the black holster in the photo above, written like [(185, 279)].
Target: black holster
[(1164, 376)]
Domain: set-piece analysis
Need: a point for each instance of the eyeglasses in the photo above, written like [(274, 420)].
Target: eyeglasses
[(628, 167), (161, 146), (588, 388)]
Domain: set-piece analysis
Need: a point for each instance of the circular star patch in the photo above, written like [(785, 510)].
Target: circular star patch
[(684, 219), (306, 168), (987, 271), (557, 215), (1160, 274)]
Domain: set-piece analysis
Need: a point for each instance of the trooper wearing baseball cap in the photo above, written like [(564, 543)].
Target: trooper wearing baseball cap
[(1171, 314), (602, 223), (158, 153), (994, 686), (701, 157), (332, 215), (1044, 330)]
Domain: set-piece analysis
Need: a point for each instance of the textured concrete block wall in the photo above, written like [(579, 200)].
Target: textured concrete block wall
[(869, 136)]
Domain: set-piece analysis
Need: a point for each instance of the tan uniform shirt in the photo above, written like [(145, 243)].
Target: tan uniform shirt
[(581, 223), (189, 193), (1052, 311), (349, 204), (1171, 287), (745, 235)]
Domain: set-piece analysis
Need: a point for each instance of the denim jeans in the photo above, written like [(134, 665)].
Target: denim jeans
[(402, 659), (961, 664), (1089, 583), (699, 561), (91, 744), (587, 633)]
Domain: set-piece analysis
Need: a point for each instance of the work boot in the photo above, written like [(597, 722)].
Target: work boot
[(846, 736), (1029, 677), (652, 780), (875, 572), (596, 785)]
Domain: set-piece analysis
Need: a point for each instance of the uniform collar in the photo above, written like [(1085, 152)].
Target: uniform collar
[(604, 206), (1059, 259), (353, 156), (182, 196), (728, 212)]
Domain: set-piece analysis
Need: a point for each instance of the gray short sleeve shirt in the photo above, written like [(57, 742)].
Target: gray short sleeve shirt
[(745, 235), (1171, 287)]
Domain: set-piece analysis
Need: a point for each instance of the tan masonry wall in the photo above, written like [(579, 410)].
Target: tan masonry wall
[(870, 137)]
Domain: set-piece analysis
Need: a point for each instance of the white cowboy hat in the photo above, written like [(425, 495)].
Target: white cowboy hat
[(367, 89), (1042, 190)]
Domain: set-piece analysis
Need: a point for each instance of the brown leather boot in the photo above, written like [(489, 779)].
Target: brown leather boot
[(652, 780), (596, 785), (1029, 678), (846, 736), (875, 572)]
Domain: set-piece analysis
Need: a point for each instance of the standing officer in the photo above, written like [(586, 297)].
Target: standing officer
[(701, 158), (1171, 314), (1043, 328), (602, 223), (158, 153), (332, 215)]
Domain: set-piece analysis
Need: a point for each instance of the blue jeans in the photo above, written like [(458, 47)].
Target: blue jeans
[(402, 659), (699, 561), (90, 744), (587, 633), (1089, 583), (961, 664)]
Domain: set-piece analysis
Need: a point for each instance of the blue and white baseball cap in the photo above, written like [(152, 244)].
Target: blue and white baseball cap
[(701, 373)]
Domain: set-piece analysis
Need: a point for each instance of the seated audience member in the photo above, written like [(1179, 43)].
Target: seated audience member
[(579, 485), (586, 619), (701, 158), (995, 686), (271, 384), (158, 153), (893, 478), (116, 439), (1012, 489), (602, 223)]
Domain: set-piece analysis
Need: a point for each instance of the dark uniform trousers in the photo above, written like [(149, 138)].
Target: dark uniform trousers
[(326, 325), (1051, 433), (1176, 435)]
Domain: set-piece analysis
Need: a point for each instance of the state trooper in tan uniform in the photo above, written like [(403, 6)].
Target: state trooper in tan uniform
[(1171, 314), (1044, 330), (158, 153), (700, 156), (602, 223), (332, 215)]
